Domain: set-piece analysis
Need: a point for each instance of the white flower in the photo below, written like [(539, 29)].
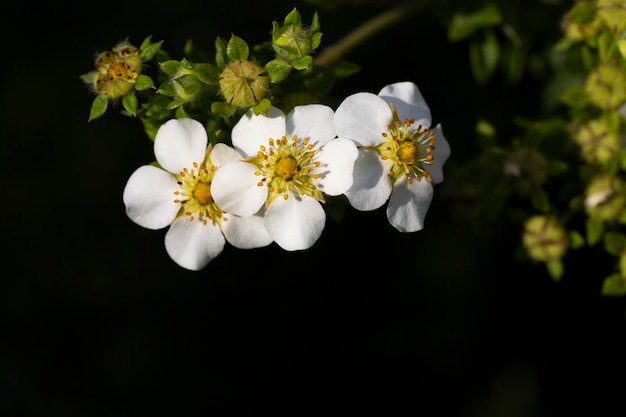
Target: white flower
[(400, 157), (289, 165), (179, 196)]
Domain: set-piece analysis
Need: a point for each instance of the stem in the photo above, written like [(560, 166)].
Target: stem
[(331, 54)]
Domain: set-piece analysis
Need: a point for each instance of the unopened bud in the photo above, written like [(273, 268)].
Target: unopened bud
[(544, 238), (244, 83)]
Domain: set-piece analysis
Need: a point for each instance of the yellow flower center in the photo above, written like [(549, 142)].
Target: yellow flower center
[(194, 194), (287, 166), (409, 148)]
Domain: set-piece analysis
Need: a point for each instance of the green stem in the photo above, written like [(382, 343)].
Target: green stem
[(331, 54)]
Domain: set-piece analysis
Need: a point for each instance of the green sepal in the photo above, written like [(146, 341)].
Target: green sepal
[(237, 49), (555, 269), (88, 78), (149, 49), (222, 109), (576, 240), (176, 103), (303, 63), (263, 107), (129, 101), (278, 70), (614, 286), (207, 73), (293, 18), (143, 83), (98, 107)]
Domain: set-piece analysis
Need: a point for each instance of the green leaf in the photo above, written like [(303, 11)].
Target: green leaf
[(170, 67), (484, 56), (594, 231), (614, 242), (576, 240), (278, 70), (583, 12), (181, 113), (237, 49), (303, 63), (176, 103), (540, 201), (555, 269), (221, 58), (207, 73), (129, 101), (223, 109), (575, 96), (148, 50), (463, 26), (167, 89), (190, 84), (98, 107), (614, 286), (143, 83)]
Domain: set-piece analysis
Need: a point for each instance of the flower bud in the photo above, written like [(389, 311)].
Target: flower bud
[(244, 83), (117, 71), (597, 143), (605, 198), (544, 238), (606, 86)]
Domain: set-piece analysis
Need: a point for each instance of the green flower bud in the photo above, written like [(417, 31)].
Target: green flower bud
[(605, 198), (544, 238), (613, 13), (117, 71), (606, 86), (293, 43), (582, 21), (244, 83), (597, 143)]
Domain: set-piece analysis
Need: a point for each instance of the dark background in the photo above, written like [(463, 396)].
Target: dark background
[(96, 320)]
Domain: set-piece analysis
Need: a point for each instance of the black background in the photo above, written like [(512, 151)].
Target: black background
[(96, 320)]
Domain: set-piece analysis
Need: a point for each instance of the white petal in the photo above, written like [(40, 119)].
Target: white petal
[(295, 223), (409, 102), (180, 142), (192, 244), (235, 188), (149, 197), (312, 121), (245, 232), (362, 118), (371, 184), (222, 153), (408, 204), (441, 154), (252, 131), (337, 166)]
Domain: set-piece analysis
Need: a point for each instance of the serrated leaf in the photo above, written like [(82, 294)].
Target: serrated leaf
[(614, 286), (129, 102), (237, 49), (98, 107), (143, 83)]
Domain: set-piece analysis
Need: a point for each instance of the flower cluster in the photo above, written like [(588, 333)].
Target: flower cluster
[(271, 184)]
